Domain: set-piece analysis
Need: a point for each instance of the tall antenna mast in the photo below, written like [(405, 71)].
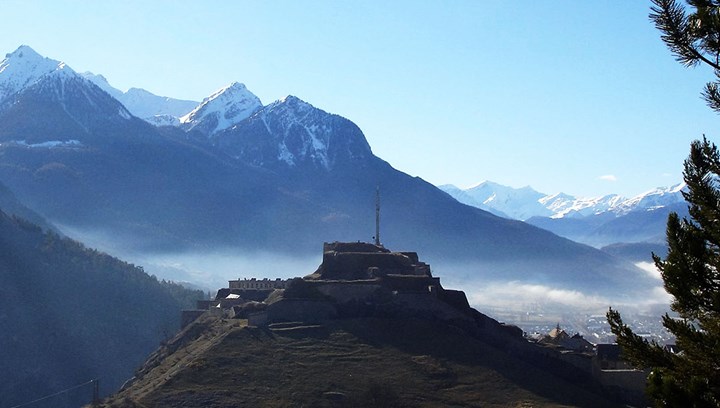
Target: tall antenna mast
[(377, 216)]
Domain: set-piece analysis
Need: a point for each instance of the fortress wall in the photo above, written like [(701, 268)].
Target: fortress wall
[(247, 294), (456, 298), (353, 265), (407, 283), (428, 305), (299, 310), (352, 247), (344, 292)]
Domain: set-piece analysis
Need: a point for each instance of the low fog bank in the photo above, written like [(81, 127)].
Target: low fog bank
[(203, 269), (650, 269), (538, 307), (491, 292), (489, 287), (212, 270)]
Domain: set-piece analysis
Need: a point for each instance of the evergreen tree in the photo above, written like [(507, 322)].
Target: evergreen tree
[(694, 38), (691, 270)]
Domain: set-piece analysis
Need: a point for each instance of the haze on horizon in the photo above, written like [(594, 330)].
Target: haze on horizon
[(577, 97)]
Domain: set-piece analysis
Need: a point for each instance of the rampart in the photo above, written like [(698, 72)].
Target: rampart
[(254, 283)]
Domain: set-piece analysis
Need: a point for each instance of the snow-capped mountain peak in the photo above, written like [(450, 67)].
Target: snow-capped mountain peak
[(290, 132), (23, 67), (520, 203), (226, 107), (292, 106), (24, 70)]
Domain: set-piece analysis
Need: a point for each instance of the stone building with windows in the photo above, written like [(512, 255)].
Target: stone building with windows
[(254, 283)]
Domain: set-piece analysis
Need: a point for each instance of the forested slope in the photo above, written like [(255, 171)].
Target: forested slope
[(69, 314)]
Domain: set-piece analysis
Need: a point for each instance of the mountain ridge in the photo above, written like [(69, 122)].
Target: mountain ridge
[(157, 110)]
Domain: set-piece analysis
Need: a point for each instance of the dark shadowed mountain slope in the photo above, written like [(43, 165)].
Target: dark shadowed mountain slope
[(70, 314), (87, 163), (12, 206), (640, 226), (636, 252)]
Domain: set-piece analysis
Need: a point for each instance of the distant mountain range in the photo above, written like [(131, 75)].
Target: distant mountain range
[(597, 221), (525, 203), (235, 173)]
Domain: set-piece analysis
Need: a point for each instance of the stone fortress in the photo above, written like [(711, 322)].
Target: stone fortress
[(355, 279), (360, 280)]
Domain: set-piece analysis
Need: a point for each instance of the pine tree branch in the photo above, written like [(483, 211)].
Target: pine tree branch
[(670, 18)]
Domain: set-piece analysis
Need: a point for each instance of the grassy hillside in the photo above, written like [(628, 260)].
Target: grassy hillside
[(342, 363)]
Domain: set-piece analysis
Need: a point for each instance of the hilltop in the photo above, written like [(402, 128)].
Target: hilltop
[(369, 327), (343, 363)]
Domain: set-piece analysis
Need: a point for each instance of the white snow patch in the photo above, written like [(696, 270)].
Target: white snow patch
[(22, 68), (285, 155), (46, 145), (163, 120), (145, 104), (228, 106)]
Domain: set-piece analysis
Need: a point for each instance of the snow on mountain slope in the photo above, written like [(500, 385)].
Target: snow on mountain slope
[(460, 195), (520, 203), (64, 85), (23, 67), (655, 198), (465, 198), (27, 78), (144, 104), (557, 202), (524, 203), (292, 133), (226, 107), (582, 207), (163, 120), (157, 110), (103, 83)]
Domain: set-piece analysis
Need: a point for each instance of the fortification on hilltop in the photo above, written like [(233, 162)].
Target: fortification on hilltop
[(361, 260), (363, 280), (355, 279)]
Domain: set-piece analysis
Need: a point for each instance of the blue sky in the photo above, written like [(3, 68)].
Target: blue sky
[(573, 96)]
